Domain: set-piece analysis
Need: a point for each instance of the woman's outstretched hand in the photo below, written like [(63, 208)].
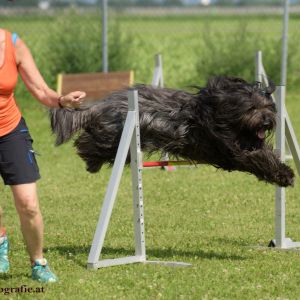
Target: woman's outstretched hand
[(73, 99)]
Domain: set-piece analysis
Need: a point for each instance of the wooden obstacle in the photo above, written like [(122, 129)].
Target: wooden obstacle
[(96, 85)]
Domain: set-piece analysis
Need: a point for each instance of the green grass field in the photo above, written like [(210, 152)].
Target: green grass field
[(212, 219)]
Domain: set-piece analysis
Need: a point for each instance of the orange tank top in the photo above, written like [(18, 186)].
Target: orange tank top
[(10, 114)]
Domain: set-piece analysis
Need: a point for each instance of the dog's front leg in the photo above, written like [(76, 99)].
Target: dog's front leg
[(265, 165)]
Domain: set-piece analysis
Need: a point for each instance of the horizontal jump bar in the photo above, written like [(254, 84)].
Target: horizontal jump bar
[(148, 164)]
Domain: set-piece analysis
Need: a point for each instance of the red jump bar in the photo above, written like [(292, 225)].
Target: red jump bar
[(148, 164)]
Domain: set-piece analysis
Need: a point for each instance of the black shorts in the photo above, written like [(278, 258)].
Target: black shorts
[(17, 158)]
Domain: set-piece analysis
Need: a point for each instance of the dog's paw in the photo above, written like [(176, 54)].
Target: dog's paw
[(285, 176)]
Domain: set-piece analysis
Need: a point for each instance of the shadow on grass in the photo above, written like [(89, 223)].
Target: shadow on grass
[(73, 252), (230, 241), (5, 277), (9, 276)]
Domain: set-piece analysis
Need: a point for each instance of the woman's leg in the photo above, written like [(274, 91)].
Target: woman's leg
[(27, 205)]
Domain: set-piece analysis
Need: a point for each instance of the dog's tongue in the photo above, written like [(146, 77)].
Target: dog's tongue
[(261, 134)]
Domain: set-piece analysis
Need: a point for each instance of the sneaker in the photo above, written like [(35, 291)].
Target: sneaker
[(41, 271), (4, 263)]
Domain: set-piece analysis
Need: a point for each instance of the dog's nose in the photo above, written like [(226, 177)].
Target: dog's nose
[(267, 123)]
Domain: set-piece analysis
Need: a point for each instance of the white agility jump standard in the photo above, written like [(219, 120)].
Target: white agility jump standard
[(130, 139), (285, 138)]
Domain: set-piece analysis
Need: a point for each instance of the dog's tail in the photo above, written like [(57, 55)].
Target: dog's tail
[(67, 121)]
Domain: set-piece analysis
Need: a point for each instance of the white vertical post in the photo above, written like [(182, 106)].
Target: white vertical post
[(158, 79), (258, 67), (280, 191), (159, 63), (284, 52), (284, 58), (104, 37), (137, 184)]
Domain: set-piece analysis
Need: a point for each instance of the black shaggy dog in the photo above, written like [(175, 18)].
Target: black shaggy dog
[(225, 124)]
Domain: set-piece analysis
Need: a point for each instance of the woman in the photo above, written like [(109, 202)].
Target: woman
[(18, 166)]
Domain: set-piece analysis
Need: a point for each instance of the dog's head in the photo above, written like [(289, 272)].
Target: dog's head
[(244, 113)]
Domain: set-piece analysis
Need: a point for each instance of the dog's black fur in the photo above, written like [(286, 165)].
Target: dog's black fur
[(225, 124)]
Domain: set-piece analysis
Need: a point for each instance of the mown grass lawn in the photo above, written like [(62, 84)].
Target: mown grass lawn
[(212, 219)]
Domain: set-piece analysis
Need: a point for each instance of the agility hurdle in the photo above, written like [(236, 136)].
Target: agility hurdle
[(285, 138), (130, 139)]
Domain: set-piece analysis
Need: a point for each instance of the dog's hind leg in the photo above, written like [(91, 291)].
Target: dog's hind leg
[(87, 150), (96, 150)]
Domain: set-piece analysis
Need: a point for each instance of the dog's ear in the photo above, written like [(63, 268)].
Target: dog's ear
[(265, 91), (271, 88)]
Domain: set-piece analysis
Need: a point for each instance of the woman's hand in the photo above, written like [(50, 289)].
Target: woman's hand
[(72, 100)]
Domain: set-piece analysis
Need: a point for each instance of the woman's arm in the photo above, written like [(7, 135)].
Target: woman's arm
[(36, 83)]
